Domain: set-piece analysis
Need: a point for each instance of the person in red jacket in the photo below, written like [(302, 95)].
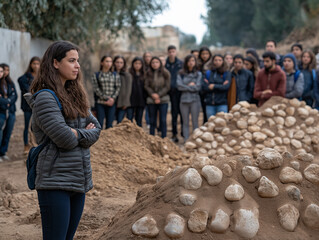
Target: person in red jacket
[(271, 80)]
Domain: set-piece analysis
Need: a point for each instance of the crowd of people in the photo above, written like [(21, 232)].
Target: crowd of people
[(213, 82), (202, 80)]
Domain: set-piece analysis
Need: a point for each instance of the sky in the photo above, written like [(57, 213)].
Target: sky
[(186, 15)]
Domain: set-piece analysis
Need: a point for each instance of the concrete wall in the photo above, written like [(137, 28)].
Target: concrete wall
[(16, 49)]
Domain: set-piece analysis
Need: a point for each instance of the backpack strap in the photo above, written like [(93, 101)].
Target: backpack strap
[(224, 75), (296, 76), (53, 93), (314, 74)]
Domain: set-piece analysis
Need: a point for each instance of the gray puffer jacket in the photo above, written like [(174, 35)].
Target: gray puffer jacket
[(64, 164)]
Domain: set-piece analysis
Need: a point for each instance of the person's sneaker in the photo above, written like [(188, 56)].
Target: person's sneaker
[(175, 139), (5, 158), (1, 159), (148, 126)]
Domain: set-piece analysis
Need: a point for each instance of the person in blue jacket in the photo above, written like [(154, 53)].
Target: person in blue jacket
[(25, 82), (308, 69), (244, 80), (295, 79), (216, 83), (8, 98)]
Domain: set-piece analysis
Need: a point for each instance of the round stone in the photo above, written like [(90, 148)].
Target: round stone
[(296, 144), (175, 226), (279, 120), (294, 102), (220, 222), (311, 216), (187, 199), (234, 192), (197, 133), (259, 137), (312, 173), (190, 145), (220, 122), (242, 124), (251, 174), (288, 217), (290, 111), (290, 175), (207, 136), (303, 113), (306, 157), (198, 221), (212, 174), (294, 193), (269, 158), (246, 223), (146, 227), (252, 120), (290, 121), (191, 179), (267, 188), (268, 112)]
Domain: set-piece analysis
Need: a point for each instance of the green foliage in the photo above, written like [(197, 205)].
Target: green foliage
[(252, 22), (187, 41), (78, 20)]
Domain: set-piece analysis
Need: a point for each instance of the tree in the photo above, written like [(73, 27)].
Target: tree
[(76, 20)]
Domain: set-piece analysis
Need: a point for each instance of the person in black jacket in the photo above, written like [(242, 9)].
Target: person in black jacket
[(244, 80), (24, 82), (174, 65), (216, 84), (8, 94), (63, 169), (138, 95)]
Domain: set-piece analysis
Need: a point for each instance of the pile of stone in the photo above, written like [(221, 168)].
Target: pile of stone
[(227, 198), (282, 124)]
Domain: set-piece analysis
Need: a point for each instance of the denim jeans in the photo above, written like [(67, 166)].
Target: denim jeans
[(105, 112), (162, 109), (175, 97), (212, 110), (7, 133), (136, 113), (147, 116), (187, 109), (3, 119), (27, 117), (61, 212), (121, 114)]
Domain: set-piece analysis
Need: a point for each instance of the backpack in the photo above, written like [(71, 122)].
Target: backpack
[(34, 152)]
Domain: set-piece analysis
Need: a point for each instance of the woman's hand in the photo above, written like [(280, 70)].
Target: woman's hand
[(75, 132), (211, 86), (90, 126), (191, 84)]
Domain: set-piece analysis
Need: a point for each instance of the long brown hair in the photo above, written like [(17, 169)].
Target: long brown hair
[(161, 70), (313, 61), (72, 95), (33, 59)]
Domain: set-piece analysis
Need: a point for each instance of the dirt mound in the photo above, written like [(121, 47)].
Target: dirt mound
[(125, 157), (286, 125), (271, 197)]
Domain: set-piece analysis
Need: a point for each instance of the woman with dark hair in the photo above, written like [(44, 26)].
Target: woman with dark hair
[(204, 64), (123, 99), (138, 94), (106, 86), (157, 85), (251, 52), (228, 58), (8, 95), (147, 56), (308, 69), (63, 169), (189, 83), (216, 86), (24, 82), (252, 65)]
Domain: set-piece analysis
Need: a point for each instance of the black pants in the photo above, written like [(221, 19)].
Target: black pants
[(175, 97)]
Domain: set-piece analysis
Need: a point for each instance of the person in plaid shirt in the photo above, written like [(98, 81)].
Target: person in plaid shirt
[(106, 86)]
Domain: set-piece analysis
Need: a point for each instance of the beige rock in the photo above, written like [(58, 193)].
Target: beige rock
[(290, 175), (191, 179), (306, 157), (201, 161), (310, 130), (242, 124), (245, 151), (220, 221), (290, 133), (279, 120), (282, 133), (237, 148), (294, 102), (244, 104), (299, 134), (301, 150), (187, 199), (229, 116), (207, 136), (212, 174), (295, 165), (307, 140), (278, 140), (260, 146), (248, 136), (246, 223), (309, 121), (210, 126), (232, 142), (234, 192), (260, 123), (288, 217), (202, 150), (252, 120), (267, 188), (236, 133), (246, 144), (253, 129), (220, 151), (270, 143), (197, 133), (175, 226), (244, 111), (214, 144), (312, 173), (212, 153), (281, 113), (203, 128), (199, 142), (294, 193), (251, 174), (268, 132), (268, 112), (269, 158), (220, 138), (220, 122), (207, 145), (271, 122), (226, 131), (280, 149), (236, 108), (146, 227), (315, 139), (311, 216), (296, 143), (228, 149), (290, 121), (236, 115), (286, 141), (227, 170), (303, 113), (259, 137), (290, 111), (197, 221), (190, 145)]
